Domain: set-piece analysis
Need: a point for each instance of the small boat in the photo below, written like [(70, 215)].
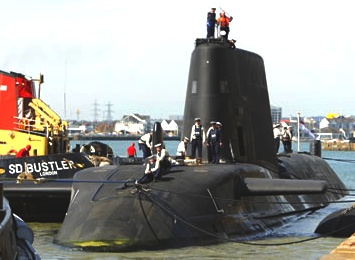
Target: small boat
[(37, 186), (250, 193), (16, 237), (340, 223)]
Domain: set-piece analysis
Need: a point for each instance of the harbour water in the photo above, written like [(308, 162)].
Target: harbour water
[(284, 243)]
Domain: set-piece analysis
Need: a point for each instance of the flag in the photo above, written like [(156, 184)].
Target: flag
[(304, 129)]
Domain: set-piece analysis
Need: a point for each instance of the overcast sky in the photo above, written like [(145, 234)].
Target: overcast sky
[(133, 56)]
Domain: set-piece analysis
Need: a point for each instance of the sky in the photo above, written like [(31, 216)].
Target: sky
[(134, 56)]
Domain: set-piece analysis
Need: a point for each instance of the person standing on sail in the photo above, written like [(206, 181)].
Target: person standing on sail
[(211, 23), (224, 21)]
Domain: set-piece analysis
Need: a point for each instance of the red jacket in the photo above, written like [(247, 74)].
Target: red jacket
[(22, 153)]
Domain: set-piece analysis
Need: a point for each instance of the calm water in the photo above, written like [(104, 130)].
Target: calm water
[(299, 230)]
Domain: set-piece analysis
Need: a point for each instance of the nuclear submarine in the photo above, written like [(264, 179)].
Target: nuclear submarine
[(251, 193)]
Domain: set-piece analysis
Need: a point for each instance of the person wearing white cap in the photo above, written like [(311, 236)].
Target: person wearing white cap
[(214, 139), (198, 138), (287, 140), (277, 136), (181, 149), (208, 143), (145, 144), (164, 160), (151, 168)]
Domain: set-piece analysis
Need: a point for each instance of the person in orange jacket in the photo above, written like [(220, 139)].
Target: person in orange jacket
[(223, 21)]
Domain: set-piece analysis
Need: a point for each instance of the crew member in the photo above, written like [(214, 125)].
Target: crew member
[(145, 144), (209, 146), (211, 23), (277, 134), (287, 140), (24, 152), (214, 140), (164, 161), (182, 148), (224, 21), (197, 139), (150, 170), (131, 151)]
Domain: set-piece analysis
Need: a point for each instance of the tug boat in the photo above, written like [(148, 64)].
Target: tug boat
[(37, 186), (250, 193)]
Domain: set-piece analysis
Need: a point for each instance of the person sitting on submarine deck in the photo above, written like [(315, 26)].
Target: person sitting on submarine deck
[(182, 148), (150, 170), (164, 161)]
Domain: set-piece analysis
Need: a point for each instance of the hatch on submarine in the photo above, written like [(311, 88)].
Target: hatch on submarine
[(253, 192)]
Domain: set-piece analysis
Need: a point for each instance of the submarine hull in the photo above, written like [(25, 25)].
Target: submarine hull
[(191, 205), (250, 193)]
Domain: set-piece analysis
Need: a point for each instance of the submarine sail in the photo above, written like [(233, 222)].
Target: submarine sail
[(229, 85)]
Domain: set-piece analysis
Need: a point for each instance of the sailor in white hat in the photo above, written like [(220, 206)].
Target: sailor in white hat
[(164, 160), (214, 140), (277, 136), (198, 138), (152, 167), (182, 148)]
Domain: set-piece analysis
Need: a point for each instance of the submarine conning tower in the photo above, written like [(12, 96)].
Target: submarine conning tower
[(228, 85)]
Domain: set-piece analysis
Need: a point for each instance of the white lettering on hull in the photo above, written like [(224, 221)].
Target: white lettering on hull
[(48, 168)]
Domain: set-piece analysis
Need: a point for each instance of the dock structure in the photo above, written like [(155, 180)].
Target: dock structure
[(346, 250), (338, 146)]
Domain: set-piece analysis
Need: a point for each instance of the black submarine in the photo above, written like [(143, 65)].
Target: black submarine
[(253, 192)]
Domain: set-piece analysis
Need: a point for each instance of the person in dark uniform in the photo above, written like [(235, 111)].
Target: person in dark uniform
[(286, 136), (197, 140), (209, 146), (145, 144), (211, 23), (214, 140), (277, 135), (150, 170)]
